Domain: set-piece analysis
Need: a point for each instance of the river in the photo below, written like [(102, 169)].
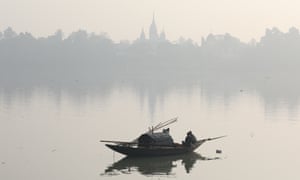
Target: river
[(51, 133)]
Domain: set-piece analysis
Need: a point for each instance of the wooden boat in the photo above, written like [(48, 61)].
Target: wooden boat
[(132, 149), (155, 144)]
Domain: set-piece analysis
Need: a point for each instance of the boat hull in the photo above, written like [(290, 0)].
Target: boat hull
[(154, 150)]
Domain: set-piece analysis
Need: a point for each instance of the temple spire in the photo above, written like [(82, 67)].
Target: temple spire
[(142, 36), (153, 35), (153, 18)]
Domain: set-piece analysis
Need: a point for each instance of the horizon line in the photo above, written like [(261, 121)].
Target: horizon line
[(137, 37)]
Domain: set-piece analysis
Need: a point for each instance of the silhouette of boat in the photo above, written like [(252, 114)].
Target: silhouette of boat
[(155, 143), (154, 150)]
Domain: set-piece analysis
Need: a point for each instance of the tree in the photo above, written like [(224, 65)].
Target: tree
[(9, 33), (57, 36)]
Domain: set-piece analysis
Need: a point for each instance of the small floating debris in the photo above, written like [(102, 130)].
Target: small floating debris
[(218, 151)]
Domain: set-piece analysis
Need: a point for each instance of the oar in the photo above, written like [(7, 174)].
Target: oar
[(164, 124), (159, 124), (118, 142), (210, 139)]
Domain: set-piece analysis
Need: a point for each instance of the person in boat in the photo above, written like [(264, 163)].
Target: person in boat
[(190, 139)]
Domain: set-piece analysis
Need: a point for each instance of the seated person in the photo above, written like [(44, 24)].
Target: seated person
[(189, 139)]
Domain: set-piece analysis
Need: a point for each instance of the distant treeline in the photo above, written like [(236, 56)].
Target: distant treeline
[(90, 57)]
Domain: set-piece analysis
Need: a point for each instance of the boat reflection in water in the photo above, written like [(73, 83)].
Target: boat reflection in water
[(155, 165)]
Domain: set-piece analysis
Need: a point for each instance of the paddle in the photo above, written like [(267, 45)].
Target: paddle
[(210, 139), (119, 142)]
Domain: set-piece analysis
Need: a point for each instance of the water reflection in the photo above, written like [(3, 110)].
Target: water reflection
[(152, 91), (155, 166)]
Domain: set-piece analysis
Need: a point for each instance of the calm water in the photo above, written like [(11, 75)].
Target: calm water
[(54, 134)]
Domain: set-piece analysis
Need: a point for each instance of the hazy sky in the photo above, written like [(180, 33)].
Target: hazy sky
[(123, 19)]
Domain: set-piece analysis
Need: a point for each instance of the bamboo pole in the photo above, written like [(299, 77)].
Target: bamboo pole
[(118, 142), (164, 124), (210, 139)]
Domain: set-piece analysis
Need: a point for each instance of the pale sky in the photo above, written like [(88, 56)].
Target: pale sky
[(124, 19)]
